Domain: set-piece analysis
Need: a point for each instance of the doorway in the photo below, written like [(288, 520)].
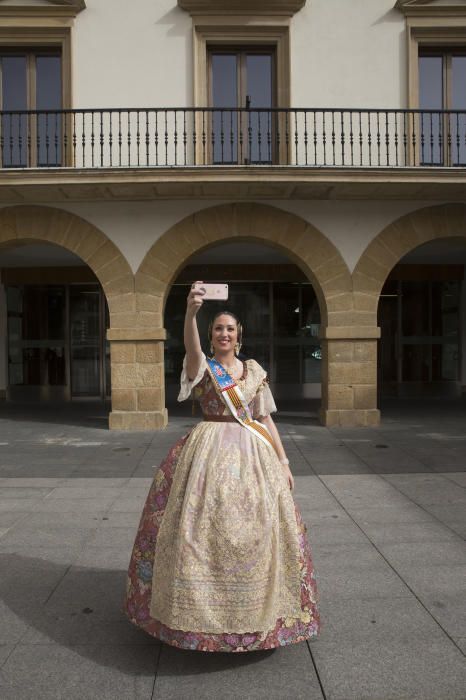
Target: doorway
[(56, 342), (242, 79)]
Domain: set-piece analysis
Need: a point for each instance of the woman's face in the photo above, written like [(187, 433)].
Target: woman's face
[(224, 333)]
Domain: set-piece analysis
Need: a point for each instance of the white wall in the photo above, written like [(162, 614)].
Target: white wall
[(132, 54), (348, 53), (345, 53)]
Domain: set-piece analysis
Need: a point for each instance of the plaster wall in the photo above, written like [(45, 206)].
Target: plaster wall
[(345, 53), (349, 53)]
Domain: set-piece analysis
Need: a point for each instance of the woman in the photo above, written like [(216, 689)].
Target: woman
[(221, 561)]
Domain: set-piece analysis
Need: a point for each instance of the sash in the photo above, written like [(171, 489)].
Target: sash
[(234, 399)]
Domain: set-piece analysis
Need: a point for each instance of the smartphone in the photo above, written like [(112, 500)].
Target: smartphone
[(216, 292)]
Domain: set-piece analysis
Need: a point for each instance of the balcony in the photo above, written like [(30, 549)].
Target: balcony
[(240, 153)]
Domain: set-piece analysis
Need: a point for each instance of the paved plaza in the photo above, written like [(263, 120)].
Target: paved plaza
[(386, 512)]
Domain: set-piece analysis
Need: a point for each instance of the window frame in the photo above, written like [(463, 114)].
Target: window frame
[(239, 32), (430, 33), (435, 28), (241, 52), (30, 40)]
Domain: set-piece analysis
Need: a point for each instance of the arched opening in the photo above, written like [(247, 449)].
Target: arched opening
[(413, 274), (304, 246), (53, 330), (279, 310), (43, 249), (422, 316)]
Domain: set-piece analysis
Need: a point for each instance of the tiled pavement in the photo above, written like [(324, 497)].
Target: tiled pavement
[(386, 511)]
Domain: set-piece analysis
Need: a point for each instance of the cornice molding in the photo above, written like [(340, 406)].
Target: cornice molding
[(431, 8), (242, 7), (54, 8)]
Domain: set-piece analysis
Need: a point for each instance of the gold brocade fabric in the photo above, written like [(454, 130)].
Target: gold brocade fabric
[(227, 555)]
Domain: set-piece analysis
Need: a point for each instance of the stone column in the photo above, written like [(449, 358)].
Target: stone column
[(138, 382), (349, 376)]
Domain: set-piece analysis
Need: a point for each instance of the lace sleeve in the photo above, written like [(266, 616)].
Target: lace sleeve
[(263, 403), (187, 384)]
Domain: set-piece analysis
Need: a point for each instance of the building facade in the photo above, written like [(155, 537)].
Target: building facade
[(311, 153)]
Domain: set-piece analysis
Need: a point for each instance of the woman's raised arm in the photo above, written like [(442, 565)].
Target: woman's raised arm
[(192, 342)]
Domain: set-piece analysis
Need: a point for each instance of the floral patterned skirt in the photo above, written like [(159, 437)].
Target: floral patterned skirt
[(140, 574)]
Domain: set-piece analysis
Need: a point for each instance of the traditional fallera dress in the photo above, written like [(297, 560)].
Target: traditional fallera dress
[(221, 560)]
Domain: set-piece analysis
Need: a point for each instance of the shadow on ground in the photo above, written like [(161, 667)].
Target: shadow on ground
[(83, 611)]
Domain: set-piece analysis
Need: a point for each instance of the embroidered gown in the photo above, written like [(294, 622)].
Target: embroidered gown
[(221, 560)]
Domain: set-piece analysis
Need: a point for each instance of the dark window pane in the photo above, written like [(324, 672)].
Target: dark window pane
[(431, 97), (286, 310), (445, 365), (14, 97), (445, 309), (259, 90), (388, 322), (416, 362), (48, 97), (224, 94), (259, 80), (415, 317), (287, 364), (312, 363), (36, 332), (458, 101), (85, 340)]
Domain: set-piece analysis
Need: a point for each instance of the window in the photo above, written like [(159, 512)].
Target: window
[(242, 78), (249, 64), (442, 86), (436, 34), (35, 74), (31, 79)]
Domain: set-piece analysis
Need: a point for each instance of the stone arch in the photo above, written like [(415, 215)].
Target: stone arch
[(52, 225), (344, 325), (305, 245), (399, 238)]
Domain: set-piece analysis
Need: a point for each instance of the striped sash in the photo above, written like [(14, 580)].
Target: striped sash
[(234, 399)]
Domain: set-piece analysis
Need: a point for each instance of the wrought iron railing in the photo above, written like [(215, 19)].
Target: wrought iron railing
[(186, 137)]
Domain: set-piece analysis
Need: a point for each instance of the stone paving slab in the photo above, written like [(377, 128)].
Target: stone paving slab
[(277, 674), (449, 610), (389, 560), (412, 670), (84, 672)]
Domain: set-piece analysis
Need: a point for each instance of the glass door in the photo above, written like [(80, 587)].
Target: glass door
[(442, 79), (31, 80), (420, 344), (85, 340), (37, 347), (242, 79)]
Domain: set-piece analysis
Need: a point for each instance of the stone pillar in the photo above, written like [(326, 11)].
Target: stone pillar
[(349, 376), (138, 382)]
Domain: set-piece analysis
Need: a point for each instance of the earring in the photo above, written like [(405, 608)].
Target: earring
[(237, 348), (211, 349)]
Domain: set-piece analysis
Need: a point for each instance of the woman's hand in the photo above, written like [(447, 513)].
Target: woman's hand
[(192, 342), (194, 300), (288, 475)]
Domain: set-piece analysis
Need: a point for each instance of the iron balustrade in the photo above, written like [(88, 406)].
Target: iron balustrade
[(187, 137)]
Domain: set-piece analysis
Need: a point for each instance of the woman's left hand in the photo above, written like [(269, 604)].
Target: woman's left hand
[(288, 475)]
